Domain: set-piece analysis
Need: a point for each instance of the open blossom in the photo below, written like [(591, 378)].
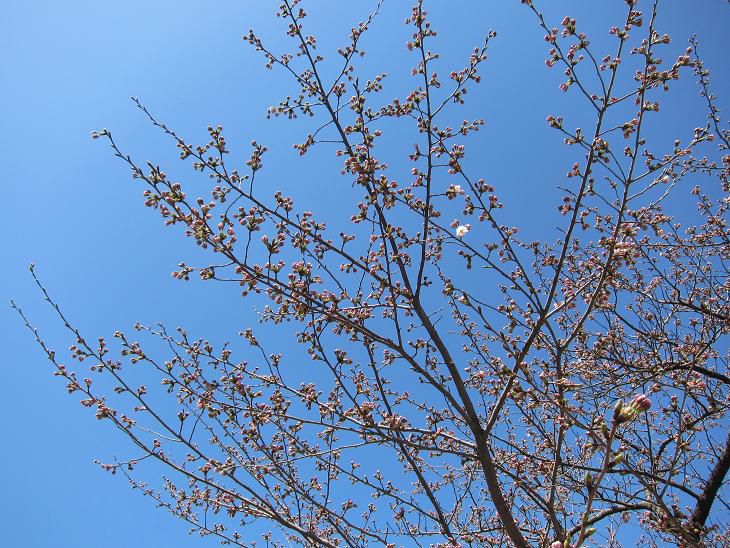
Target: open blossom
[(453, 191), (462, 230)]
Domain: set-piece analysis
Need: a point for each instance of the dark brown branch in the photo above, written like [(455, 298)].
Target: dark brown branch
[(712, 487)]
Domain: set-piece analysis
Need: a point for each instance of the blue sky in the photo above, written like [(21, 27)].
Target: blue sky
[(69, 68)]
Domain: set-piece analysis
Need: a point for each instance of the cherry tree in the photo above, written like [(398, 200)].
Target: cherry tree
[(458, 385)]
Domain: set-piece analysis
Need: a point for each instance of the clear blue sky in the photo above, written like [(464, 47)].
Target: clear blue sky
[(69, 68)]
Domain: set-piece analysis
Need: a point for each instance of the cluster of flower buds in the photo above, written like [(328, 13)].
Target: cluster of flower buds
[(589, 532), (626, 413)]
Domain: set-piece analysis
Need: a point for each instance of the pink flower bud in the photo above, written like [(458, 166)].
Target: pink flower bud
[(641, 402), (637, 405)]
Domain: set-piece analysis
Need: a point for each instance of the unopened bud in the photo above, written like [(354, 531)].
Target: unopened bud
[(641, 402), (588, 480), (638, 404), (617, 459), (617, 409)]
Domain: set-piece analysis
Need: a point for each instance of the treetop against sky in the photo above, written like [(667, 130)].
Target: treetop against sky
[(450, 274)]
